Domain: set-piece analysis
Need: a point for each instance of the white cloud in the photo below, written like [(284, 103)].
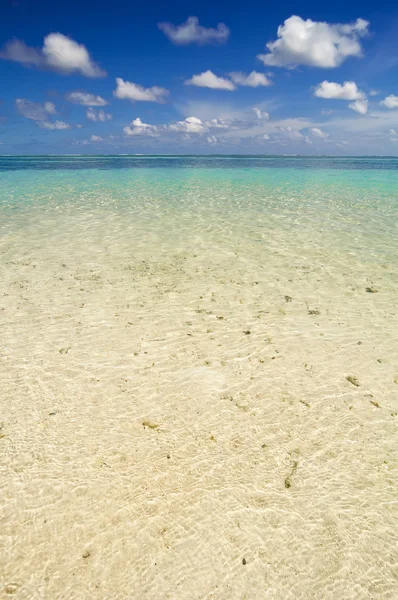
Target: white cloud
[(49, 107), (39, 113), (260, 114), (390, 101), (211, 139), (316, 132), (314, 43), (96, 138), (99, 115), (191, 32), (189, 125), (254, 79), (336, 91), (85, 99), (137, 127), (209, 80), (360, 106), (59, 53), (35, 110), (217, 124), (56, 125), (393, 135), (126, 90)]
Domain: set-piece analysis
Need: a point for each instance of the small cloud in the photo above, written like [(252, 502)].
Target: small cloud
[(260, 114), (59, 53), (211, 139), (390, 101), (96, 138), (346, 91), (99, 115), (208, 79), (316, 132), (314, 43), (137, 127), (360, 106), (254, 79), (217, 124), (126, 90), (85, 99), (35, 110), (56, 125), (191, 32), (189, 125), (49, 107), (39, 113)]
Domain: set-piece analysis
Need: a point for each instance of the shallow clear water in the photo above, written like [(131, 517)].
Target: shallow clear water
[(176, 337)]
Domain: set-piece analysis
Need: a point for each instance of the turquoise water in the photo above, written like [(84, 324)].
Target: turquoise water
[(199, 365)]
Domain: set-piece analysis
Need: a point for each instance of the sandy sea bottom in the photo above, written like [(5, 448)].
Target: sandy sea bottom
[(176, 418)]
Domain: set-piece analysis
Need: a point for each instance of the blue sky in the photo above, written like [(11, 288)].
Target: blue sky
[(198, 77)]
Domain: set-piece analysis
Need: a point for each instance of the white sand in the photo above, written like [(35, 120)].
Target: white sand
[(261, 451)]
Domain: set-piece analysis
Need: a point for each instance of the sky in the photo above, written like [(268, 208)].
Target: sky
[(100, 77)]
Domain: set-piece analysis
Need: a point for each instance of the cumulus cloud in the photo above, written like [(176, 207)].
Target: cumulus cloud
[(35, 110), (191, 32), (360, 106), (254, 79), (211, 139), (137, 127), (126, 90), (51, 125), (261, 114), (316, 132), (346, 91), (208, 79), (96, 138), (99, 115), (59, 53), (314, 43), (49, 107), (217, 124), (85, 99), (188, 125), (390, 101), (39, 113)]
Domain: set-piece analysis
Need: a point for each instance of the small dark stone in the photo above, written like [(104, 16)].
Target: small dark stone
[(247, 332), (168, 456), (371, 290), (359, 344), (288, 298), (243, 561)]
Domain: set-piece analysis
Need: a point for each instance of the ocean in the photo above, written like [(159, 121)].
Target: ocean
[(199, 377)]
